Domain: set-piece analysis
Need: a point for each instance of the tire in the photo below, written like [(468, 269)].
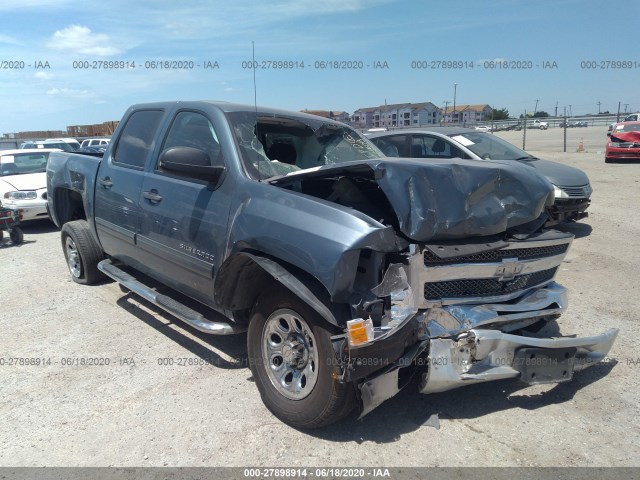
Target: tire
[(16, 235), (305, 392), (1, 235), (82, 252), (608, 160)]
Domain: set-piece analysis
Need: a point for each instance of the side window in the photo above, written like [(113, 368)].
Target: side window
[(137, 138), (426, 146), (392, 146), (192, 129)]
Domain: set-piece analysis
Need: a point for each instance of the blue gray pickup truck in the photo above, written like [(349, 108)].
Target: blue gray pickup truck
[(351, 273)]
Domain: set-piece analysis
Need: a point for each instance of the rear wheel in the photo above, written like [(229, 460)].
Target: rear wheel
[(16, 235), (293, 362), (82, 252)]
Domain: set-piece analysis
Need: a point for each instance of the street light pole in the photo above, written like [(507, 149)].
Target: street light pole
[(455, 89)]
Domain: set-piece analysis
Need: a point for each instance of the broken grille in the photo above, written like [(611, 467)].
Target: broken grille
[(498, 255), (576, 191), (485, 287)]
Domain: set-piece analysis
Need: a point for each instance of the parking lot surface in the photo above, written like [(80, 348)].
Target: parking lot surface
[(108, 380)]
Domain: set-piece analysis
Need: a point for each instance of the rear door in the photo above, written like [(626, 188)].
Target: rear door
[(183, 221), (119, 184)]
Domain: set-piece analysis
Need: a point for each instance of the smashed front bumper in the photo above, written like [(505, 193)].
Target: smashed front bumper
[(459, 345), (485, 355)]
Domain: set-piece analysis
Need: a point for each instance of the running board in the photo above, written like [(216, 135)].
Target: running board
[(175, 308)]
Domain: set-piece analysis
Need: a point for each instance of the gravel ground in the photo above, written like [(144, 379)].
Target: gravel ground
[(128, 408)]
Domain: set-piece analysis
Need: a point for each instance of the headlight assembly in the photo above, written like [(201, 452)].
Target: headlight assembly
[(21, 195)]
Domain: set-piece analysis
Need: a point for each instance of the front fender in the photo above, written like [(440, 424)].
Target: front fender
[(240, 270), (320, 238)]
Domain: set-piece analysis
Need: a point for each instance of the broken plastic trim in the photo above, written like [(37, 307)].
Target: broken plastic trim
[(395, 284)]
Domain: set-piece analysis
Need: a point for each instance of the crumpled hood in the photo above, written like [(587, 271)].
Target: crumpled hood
[(27, 181), (450, 199), (559, 174), (624, 137)]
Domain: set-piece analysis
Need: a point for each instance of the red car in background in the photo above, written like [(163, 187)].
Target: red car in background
[(624, 142)]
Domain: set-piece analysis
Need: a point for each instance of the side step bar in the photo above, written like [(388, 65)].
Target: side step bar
[(175, 308)]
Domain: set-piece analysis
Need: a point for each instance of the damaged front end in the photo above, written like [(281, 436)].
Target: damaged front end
[(460, 314), (458, 293)]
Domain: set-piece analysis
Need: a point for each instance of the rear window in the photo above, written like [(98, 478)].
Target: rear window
[(21, 163)]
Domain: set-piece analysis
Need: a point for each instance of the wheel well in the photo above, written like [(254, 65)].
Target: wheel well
[(68, 206), (245, 276)]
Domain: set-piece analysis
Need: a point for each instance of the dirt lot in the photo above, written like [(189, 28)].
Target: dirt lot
[(128, 408)]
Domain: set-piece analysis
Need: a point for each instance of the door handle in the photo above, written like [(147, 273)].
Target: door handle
[(152, 196), (106, 182)]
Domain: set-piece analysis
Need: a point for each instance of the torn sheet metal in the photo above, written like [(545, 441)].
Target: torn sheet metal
[(487, 355), (453, 199), (547, 302)]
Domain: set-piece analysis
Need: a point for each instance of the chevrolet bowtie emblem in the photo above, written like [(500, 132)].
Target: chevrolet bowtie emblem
[(508, 270)]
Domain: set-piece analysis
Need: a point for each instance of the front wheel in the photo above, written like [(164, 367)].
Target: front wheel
[(294, 364), (82, 252)]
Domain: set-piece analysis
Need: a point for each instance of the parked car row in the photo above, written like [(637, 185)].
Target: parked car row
[(66, 144), (574, 124)]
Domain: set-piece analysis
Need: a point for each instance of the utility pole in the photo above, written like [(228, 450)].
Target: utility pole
[(492, 110), (565, 130), (599, 103), (524, 131), (455, 90), (570, 114), (446, 106), (625, 107), (535, 109), (556, 109), (618, 116)]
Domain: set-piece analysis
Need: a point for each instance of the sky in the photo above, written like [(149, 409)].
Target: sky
[(58, 58)]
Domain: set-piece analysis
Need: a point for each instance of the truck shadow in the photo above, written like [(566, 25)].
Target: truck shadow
[(36, 227), (234, 346), (578, 229), (410, 410)]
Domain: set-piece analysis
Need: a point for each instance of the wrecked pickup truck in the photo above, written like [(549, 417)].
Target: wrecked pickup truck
[(351, 273)]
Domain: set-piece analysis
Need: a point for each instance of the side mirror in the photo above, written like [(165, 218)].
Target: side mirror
[(191, 162)]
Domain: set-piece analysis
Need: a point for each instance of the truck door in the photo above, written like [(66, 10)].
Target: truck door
[(119, 184), (183, 221)]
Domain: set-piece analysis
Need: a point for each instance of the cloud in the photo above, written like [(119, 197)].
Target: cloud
[(44, 76), (193, 19), (70, 92), (313, 7), (6, 39), (81, 40)]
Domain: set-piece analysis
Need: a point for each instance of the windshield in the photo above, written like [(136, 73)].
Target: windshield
[(22, 163), (273, 145), (633, 127), (490, 147)]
